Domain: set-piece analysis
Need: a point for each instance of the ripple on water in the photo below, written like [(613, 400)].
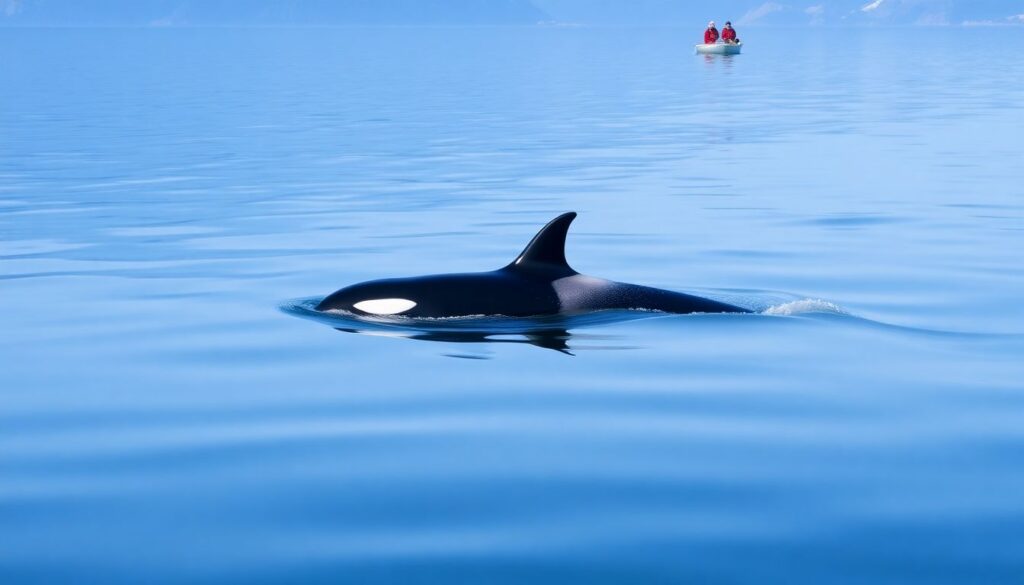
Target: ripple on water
[(853, 220)]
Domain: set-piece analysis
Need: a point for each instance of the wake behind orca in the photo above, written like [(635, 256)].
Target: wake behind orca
[(539, 282)]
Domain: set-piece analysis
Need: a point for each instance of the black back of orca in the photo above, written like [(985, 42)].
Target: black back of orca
[(538, 282)]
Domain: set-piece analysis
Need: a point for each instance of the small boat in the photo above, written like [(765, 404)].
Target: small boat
[(719, 49)]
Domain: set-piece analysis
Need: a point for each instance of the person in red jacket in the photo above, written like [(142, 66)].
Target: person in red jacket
[(729, 34), (711, 34)]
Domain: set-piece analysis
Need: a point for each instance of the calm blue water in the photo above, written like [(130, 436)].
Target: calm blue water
[(171, 200)]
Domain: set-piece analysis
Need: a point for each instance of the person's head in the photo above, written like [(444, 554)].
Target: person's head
[(711, 24), (728, 24)]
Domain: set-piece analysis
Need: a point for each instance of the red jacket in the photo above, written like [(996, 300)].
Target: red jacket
[(728, 34), (710, 36)]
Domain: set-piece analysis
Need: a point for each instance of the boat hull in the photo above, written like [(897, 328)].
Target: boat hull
[(719, 49)]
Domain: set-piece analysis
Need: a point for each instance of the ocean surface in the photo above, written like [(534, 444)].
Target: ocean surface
[(174, 201)]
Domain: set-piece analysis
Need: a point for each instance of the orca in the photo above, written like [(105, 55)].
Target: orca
[(539, 282)]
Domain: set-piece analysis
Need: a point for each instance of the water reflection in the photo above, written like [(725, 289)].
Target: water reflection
[(726, 60), (556, 339)]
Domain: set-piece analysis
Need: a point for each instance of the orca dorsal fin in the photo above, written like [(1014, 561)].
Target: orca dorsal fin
[(547, 248)]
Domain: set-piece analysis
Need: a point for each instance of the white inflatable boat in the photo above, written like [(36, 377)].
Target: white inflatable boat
[(719, 49)]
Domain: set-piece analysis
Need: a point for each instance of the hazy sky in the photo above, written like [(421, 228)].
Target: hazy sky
[(584, 12)]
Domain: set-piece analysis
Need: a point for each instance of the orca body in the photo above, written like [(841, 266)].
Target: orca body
[(538, 283)]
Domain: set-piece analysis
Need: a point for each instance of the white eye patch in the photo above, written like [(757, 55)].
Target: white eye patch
[(385, 306)]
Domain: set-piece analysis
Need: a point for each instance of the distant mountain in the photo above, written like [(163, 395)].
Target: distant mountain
[(266, 12), (585, 12), (928, 12), (786, 12)]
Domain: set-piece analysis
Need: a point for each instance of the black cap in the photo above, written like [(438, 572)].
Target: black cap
[(727, 22)]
